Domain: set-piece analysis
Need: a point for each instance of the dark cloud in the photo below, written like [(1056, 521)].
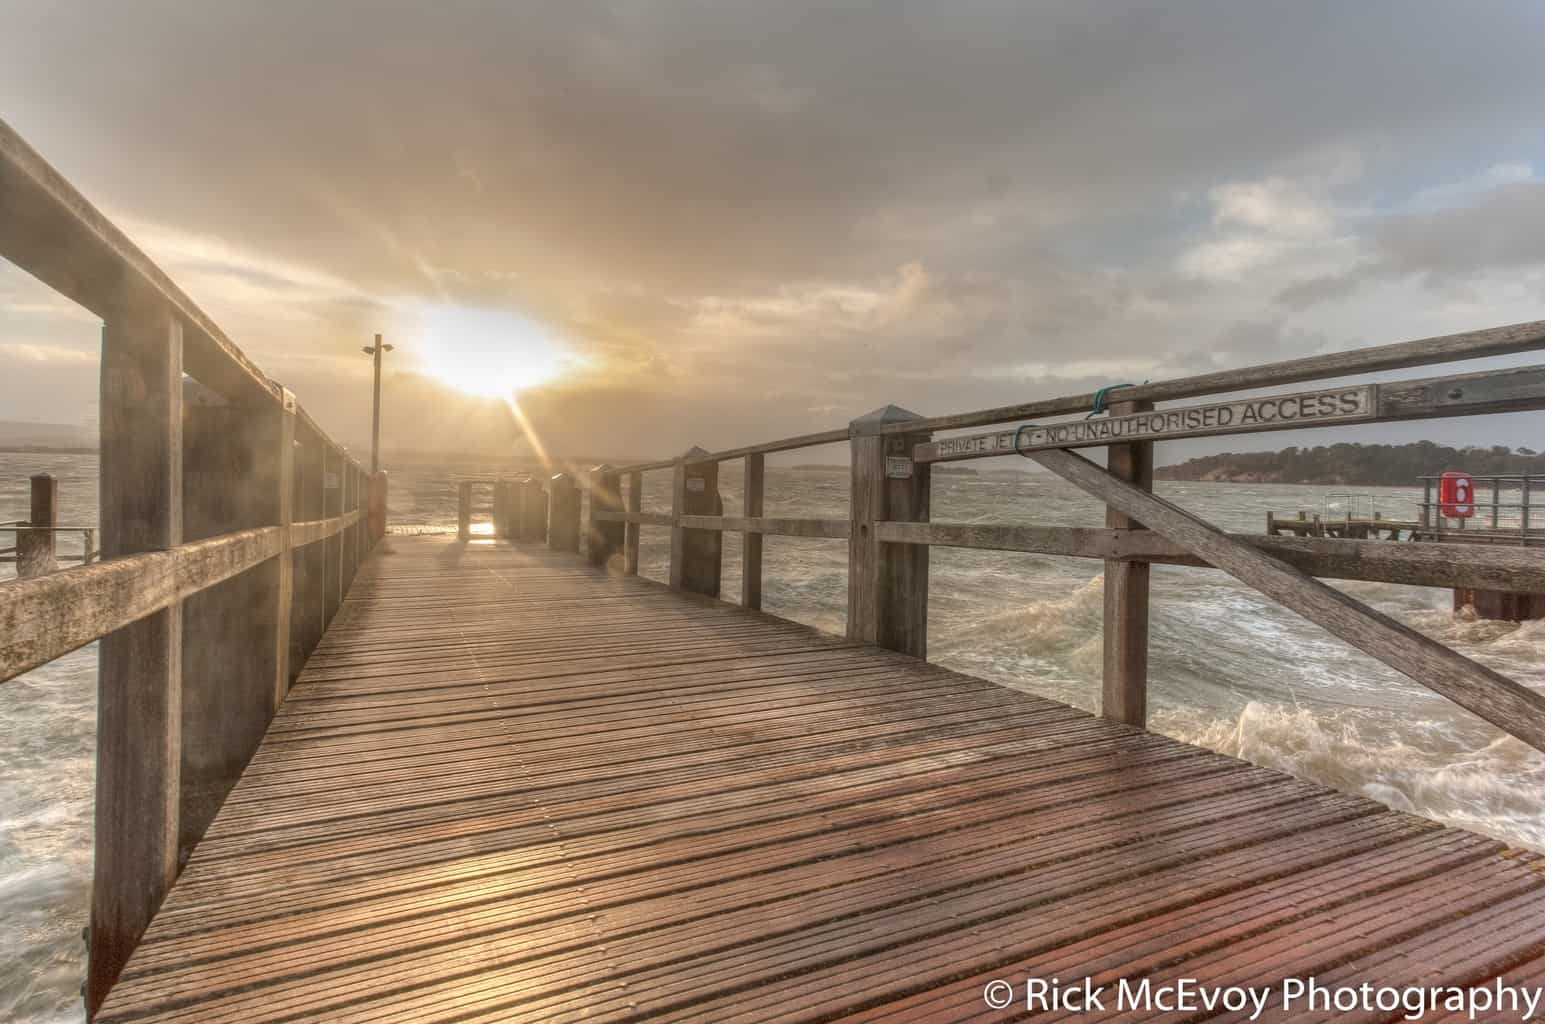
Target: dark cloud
[(757, 209)]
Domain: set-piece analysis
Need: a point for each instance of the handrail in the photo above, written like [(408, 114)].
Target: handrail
[(889, 532), (1493, 341), (225, 480)]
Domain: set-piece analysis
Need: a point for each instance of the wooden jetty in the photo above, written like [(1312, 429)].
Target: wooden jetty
[(351, 778)]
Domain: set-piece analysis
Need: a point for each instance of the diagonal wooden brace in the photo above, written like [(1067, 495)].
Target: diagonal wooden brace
[(1509, 706)]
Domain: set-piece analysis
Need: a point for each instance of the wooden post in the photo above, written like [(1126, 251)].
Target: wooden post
[(231, 481), (299, 503), (604, 541), (281, 454), (630, 535), (350, 503), (332, 547), (697, 556), (501, 518), (377, 514), (1124, 693), (533, 510), (464, 510), (1523, 510), (887, 583), (1508, 705), (751, 543), (139, 667), (37, 550), (562, 513), (310, 605)]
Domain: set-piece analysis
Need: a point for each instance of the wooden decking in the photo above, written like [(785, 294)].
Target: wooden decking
[(511, 788)]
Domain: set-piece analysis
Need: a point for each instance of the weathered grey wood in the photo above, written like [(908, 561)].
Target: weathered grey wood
[(464, 510), (309, 606), (350, 504), (332, 548), (309, 532), (280, 456), (377, 506), (533, 510), (49, 616), (1124, 683), (830, 529), (53, 233), (631, 528), (139, 670), (231, 482), (887, 583), (604, 537), (562, 513), (1492, 341), (655, 519), (37, 550), (696, 555), (500, 516), (1518, 389), (1512, 708), (751, 541)]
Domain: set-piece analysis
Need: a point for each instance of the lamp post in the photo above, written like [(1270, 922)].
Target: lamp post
[(375, 419)]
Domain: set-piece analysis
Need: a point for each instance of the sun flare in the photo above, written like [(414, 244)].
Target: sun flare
[(487, 352)]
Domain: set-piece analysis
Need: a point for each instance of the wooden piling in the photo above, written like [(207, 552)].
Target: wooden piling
[(1124, 690), (501, 512), (37, 550), (562, 513), (696, 555), (139, 667), (533, 510), (887, 583), (231, 481), (751, 543), (332, 547), (630, 535), (346, 536), (310, 604), (377, 515), (464, 510), (604, 540), (280, 455)]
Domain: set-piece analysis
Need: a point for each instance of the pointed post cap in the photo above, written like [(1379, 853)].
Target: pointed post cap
[(695, 454), (874, 422)]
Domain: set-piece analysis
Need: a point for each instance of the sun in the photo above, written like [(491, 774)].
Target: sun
[(490, 353)]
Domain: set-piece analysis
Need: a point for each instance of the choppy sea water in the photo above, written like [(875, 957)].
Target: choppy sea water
[(1229, 670)]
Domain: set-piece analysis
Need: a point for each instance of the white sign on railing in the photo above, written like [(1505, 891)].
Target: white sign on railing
[(1277, 412)]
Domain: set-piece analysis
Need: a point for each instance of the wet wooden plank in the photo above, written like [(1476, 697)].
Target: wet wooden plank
[(510, 787)]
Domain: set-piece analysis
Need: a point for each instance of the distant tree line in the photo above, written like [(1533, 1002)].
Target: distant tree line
[(1373, 464)]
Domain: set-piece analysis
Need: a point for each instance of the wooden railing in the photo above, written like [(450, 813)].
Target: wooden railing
[(889, 530), (231, 527)]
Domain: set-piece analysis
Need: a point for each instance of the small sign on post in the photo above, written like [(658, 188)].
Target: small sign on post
[(898, 467)]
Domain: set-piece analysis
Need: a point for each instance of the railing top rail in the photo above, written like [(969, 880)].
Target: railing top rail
[(57, 235), (1491, 341)]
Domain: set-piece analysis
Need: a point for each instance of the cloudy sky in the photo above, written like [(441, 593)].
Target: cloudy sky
[(677, 223)]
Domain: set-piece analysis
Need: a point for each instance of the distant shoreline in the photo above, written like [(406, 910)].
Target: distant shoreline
[(1354, 465)]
